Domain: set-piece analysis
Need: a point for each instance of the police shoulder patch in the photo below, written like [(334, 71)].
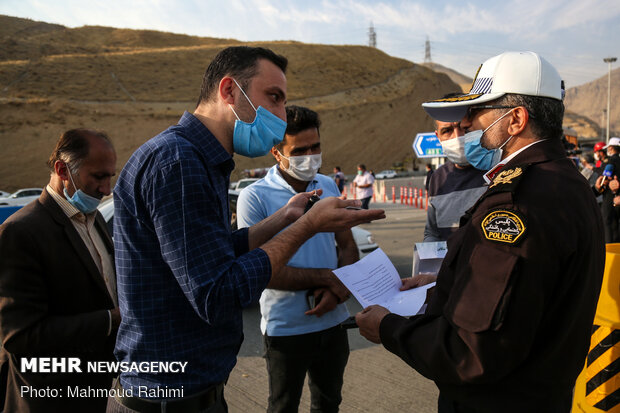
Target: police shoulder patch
[(503, 226)]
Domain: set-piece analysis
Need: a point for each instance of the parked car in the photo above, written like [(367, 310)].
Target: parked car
[(363, 239), (387, 174), (4, 194), (240, 184), (21, 197)]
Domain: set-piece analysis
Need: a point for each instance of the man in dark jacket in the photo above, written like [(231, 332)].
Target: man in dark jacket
[(58, 286), (508, 325)]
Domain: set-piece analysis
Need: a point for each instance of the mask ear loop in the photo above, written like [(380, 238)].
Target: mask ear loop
[(287, 158), (70, 177), (246, 96)]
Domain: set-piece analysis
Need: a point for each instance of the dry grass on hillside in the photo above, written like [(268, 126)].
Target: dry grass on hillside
[(134, 84)]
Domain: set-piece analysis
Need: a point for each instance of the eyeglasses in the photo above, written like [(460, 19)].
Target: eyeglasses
[(471, 110)]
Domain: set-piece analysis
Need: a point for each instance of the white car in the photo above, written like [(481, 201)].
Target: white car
[(363, 239), (21, 197), (4, 194), (387, 174), (236, 187)]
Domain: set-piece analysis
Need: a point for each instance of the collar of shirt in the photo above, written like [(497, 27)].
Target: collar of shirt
[(211, 149), (70, 211), (273, 177), (488, 177)]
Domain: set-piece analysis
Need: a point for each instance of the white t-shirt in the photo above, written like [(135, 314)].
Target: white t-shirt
[(364, 179)]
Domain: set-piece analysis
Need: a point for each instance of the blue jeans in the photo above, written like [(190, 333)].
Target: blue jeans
[(323, 355)]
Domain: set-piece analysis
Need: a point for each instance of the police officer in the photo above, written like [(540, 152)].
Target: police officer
[(508, 325)]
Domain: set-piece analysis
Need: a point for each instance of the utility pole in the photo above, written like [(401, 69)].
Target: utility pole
[(609, 61), (427, 51), (372, 36)]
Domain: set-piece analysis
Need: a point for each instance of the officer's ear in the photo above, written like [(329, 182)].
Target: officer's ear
[(519, 119)]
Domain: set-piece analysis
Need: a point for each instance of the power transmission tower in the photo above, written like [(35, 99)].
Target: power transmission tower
[(372, 36), (427, 51)]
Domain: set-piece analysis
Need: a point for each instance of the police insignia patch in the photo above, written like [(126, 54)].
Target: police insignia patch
[(503, 226)]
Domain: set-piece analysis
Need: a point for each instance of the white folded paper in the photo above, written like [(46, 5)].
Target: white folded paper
[(374, 280)]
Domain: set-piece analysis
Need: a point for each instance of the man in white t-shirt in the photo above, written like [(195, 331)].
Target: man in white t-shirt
[(363, 185)]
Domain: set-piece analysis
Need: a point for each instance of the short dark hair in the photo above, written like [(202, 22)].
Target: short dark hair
[(546, 114), (362, 166), (338, 168), (239, 62), (299, 118), (73, 147)]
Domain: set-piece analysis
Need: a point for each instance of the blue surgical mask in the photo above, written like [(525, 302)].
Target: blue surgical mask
[(81, 200), (478, 156), (257, 138)]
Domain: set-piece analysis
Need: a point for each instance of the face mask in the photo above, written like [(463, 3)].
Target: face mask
[(596, 156), (454, 149), (304, 167), (360, 173), (478, 156), (257, 138), (81, 200)]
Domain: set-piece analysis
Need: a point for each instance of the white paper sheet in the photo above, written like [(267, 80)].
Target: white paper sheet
[(374, 280)]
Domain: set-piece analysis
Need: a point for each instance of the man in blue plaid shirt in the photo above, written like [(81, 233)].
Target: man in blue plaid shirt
[(183, 276)]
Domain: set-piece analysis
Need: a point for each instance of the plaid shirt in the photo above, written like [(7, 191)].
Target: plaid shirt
[(183, 277)]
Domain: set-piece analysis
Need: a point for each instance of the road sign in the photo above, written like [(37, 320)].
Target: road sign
[(427, 145)]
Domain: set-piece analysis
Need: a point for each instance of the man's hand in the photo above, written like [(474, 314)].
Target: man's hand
[(418, 281), (325, 302), (295, 206), (369, 321), (616, 201), (614, 185), (330, 215), (115, 314), (338, 289), (599, 183)]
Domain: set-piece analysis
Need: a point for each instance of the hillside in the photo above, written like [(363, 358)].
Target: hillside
[(135, 83), (463, 81), (590, 100)]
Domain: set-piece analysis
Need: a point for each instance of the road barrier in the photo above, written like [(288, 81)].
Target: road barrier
[(598, 386)]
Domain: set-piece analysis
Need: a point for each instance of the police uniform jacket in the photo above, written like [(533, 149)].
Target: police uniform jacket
[(508, 325)]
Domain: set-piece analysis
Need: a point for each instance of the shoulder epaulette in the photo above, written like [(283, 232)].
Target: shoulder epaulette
[(508, 179)]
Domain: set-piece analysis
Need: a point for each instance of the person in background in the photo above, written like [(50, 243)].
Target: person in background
[(508, 326), (339, 178), (57, 279), (429, 173), (454, 187), (363, 185), (184, 277), (587, 168), (608, 188), (600, 155), (298, 337)]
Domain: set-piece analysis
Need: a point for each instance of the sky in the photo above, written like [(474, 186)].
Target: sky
[(574, 35)]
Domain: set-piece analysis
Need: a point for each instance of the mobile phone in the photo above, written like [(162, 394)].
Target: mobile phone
[(352, 207), (313, 200)]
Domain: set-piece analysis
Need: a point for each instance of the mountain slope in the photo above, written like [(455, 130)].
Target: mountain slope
[(135, 83), (590, 100)]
